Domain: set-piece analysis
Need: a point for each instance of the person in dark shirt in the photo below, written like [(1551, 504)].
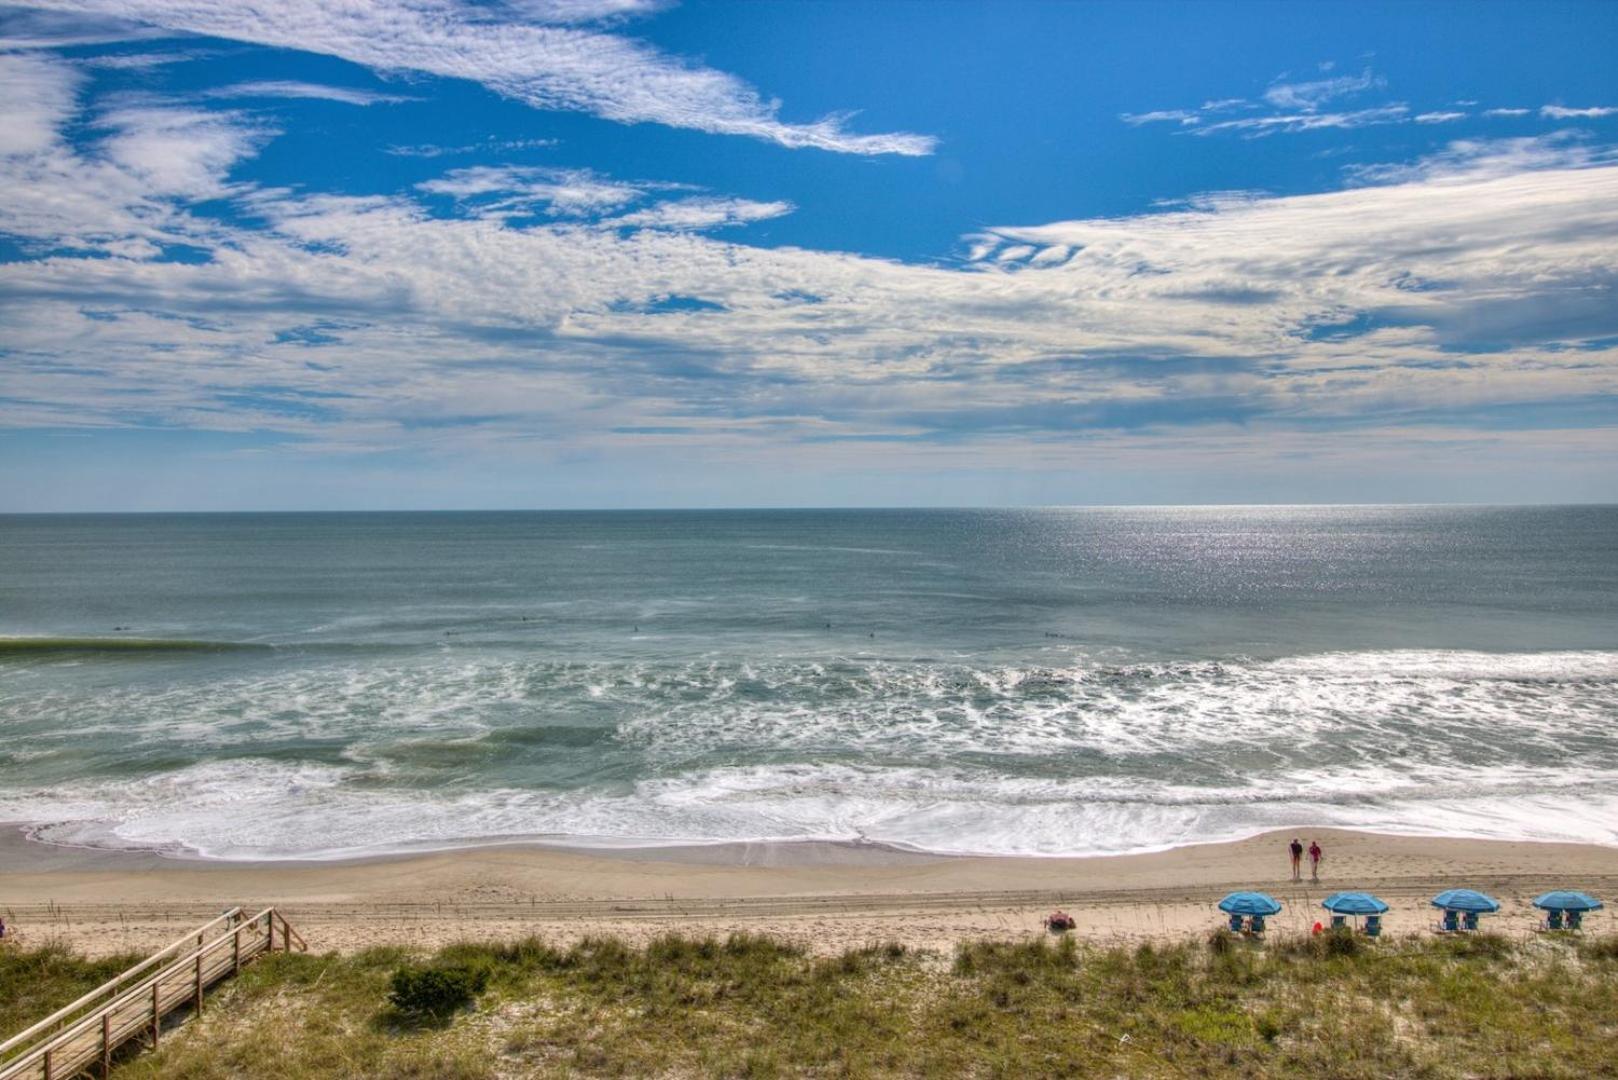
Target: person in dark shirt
[(1297, 859), (1314, 860)]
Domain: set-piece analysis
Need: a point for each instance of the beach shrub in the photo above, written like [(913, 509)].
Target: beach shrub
[(1601, 948), (436, 991), (1489, 946)]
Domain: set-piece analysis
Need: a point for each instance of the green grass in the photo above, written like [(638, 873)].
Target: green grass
[(746, 1006), (36, 982)]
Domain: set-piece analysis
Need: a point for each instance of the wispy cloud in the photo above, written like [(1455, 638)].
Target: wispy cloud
[(41, 94), (1474, 159), (1562, 112), (1309, 96), (701, 213), (291, 88), (505, 190), (180, 151), (1290, 107), (1309, 121), (1464, 283), (1177, 116), (595, 310), (498, 146), (527, 59)]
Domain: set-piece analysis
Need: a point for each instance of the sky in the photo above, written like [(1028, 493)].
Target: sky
[(417, 254)]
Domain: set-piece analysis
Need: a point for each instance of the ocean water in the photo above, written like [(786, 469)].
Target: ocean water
[(1046, 682)]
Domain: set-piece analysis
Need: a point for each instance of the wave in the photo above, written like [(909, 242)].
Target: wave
[(45, 646), (451, 747), (256, 810)]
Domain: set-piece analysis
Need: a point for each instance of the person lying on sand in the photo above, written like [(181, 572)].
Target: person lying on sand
[(1059, 922)]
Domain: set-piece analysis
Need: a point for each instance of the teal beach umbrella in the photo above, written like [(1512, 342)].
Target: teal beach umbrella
[(1250, 903), (1567, 900), (1353, 903), (1466, 900)]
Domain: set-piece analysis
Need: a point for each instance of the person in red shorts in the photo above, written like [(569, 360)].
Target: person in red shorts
[(1314, 860)]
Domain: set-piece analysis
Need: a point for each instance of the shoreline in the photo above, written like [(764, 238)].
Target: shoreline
[(827, 896)]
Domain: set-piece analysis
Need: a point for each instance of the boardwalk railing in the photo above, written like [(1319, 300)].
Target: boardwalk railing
[(133, 1005)]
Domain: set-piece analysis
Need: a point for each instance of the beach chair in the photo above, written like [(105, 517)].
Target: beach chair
[(1469, 921), (1235, 924), (1575, 920), (1553, 920), (1339, 921), (1451, 923), (1256, 926), (1373, 925)]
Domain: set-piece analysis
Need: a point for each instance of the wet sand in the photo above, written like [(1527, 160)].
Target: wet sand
[(826, 896)]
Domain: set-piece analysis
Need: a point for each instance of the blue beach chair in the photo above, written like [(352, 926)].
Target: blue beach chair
[(1451, 923), (1469, 921), (1339, 921), (1575, 920), (1373, 925), (1235, 924), (1553, 920), (1257, 924)]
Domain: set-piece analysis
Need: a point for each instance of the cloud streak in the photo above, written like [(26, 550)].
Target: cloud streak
[(510, 51), (291, 88)]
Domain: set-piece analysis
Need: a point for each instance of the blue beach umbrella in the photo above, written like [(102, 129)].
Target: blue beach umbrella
[(1250, 903), (1567, 900), (1466, 900), (1353, 903)]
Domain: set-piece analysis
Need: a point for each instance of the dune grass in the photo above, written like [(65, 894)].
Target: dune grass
[(1329, 1006), (36, 982)]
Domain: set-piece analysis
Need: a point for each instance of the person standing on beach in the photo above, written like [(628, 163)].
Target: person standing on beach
[(1314, 860), (1296, 847)]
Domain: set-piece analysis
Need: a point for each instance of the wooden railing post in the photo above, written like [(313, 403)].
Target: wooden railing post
[(236, 951), (157, 1015), (106, 1044), (50, 1073), (198, 994)]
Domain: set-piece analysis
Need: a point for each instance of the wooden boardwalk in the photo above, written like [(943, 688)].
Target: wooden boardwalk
[(85, 1034)]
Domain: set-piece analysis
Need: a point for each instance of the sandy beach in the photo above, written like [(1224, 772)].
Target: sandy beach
[(828, 897)]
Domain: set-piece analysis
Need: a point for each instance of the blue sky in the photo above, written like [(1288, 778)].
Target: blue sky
[(631, 253)]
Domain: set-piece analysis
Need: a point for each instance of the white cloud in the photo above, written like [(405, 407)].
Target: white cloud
[(1179, 116), (22, 28), (583, 11), (180, 151), (1506, 112), (701, 212), (505, 190), (1475, 159), (41, 94), (1310, 121), (373, 323), (290, 88), (546, 66), (1295, 107), (1309, 96), (501, 146), (1560, 112)]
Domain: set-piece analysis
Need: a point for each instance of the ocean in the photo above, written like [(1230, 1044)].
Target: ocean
[(1032, 682)]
